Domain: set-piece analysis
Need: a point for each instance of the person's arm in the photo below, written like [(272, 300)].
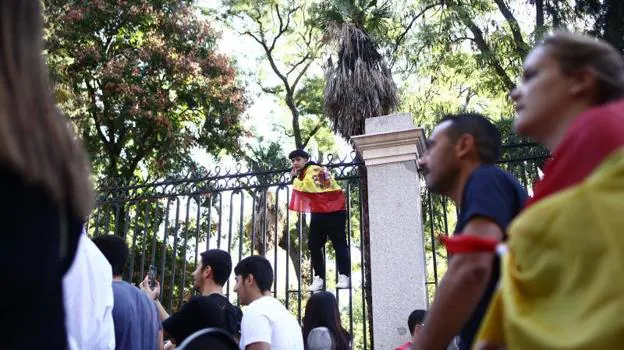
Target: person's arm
[(153, 295), (162, 313), (159, 340), (258, 346), (460, 290)]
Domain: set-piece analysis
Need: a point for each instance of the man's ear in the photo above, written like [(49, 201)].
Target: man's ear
[(464, 145), (249, 280), (207, 272)]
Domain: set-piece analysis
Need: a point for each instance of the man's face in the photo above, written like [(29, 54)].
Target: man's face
[(298, 162), (242, 289), (198, 277), (440, 164)]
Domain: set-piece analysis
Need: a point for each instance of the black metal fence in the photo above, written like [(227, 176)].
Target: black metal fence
[(167, 223), (523, 160)]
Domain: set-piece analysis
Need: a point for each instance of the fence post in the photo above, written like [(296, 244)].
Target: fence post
[(390, 148)]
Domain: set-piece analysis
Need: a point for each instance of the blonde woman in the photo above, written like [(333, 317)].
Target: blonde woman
[(561, 285)]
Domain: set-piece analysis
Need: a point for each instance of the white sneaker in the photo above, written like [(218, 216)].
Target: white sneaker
[(343, 282), (317, 284)]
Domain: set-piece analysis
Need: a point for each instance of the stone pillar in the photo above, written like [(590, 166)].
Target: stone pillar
[(390, 149)]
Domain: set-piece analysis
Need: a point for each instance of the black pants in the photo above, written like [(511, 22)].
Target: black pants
[(332, 225)]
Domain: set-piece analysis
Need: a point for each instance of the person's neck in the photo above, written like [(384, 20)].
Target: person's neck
[(560, 127), (257, 295), (211, 288), (456, 192), (117, 278)]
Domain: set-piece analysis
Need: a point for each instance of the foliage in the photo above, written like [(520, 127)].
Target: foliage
[(290, 46), (359, 84), (142, 83)]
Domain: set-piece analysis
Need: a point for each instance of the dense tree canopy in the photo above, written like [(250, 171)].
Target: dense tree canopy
[(142, 83)]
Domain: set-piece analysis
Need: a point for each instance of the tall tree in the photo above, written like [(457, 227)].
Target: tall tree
[(358, 84), (143, 83), (291, 46)]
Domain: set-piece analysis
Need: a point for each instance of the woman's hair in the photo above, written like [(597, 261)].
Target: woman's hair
[(36, 140), (322, 311), (575, 52)]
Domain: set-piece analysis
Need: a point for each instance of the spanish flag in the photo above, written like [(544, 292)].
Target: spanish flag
[(316, 191), (561, 283)]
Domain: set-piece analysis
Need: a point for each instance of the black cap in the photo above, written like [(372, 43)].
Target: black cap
[(298, 153)]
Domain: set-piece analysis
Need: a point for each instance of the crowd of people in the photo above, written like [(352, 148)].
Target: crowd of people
[(536, 272)]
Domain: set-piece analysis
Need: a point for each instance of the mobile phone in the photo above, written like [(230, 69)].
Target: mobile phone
[(151, 276)]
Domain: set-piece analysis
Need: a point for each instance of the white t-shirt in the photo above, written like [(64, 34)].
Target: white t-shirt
[(266, 320), (88, 299)]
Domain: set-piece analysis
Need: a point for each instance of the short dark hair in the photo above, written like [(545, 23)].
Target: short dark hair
[(259, 267), (220, 262), (116, 251), (485, 133), (415, 318), (298, 153)]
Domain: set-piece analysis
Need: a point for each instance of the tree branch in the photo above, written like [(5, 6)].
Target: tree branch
[(285, 130), (521, 46), (303, 59), (98, 126), (312, 133), (483, 46), (401, 36)]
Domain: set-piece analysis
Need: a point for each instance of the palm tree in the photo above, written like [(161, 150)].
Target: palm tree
[(358, 85)]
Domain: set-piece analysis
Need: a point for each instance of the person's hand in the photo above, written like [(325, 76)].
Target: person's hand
[(294, 172), (169, 345), (151, 293)]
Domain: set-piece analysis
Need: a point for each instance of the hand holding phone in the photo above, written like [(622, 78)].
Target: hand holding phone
[(151, 275)]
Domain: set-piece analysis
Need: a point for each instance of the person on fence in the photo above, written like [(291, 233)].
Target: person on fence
[(136, 322), (266, 324), (209, 309), (315, 191), (322, 327), (460, 163), (45, 181), (561, 285), (414, 324)]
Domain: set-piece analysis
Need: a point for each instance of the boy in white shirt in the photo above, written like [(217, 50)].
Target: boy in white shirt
[(266, 323)]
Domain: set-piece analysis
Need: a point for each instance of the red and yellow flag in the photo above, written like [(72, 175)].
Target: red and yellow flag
[(561, 284), (316, 191)]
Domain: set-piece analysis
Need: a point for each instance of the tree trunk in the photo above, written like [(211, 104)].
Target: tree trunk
[(613, 23), (539, 18)]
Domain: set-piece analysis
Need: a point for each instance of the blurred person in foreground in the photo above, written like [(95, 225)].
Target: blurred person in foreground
[(460, 163), (560, 278), (45, 184)]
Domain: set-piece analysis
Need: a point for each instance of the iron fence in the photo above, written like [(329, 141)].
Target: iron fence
[(523, 160), (167, 223)]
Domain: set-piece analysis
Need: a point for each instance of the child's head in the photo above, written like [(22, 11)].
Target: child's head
[(298, 158), (415, 322)]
